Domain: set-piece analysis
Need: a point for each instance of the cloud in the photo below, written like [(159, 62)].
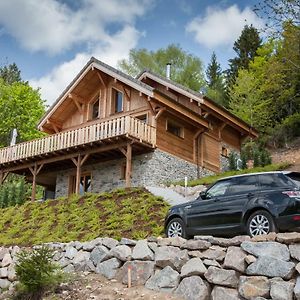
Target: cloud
[(113, 49), (221, 27), (52, 26)]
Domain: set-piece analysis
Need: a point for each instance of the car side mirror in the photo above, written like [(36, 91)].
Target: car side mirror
[(203, 195)]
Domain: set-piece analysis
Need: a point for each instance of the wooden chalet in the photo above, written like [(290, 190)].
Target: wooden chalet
[(107, 126)]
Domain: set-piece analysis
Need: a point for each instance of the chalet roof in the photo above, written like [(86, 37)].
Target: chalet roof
[(95, 63), (196, 96)]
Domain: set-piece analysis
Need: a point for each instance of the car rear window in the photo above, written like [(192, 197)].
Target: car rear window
[(279, 180), (295, 176)]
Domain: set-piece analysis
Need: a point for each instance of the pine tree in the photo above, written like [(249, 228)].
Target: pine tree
[(245, 47), (10, 73)]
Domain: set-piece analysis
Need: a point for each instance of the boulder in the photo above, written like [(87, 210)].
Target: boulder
[(196, 245), (271, 236), (193, 288), (218, 255), (4, 284), (89, 246), (271, 267), (99, 254), (121, 252), (298, 268), (70, 252), (272, 249), (235, 259), (254, 286), (281, 290), (211, 262), (165, 280), (127, 242), (141, 251), (3, 251), (81, 256), (4, 272), (297, 288), (7, 260), (222, 277), (295, 251), (63, 262), (171, 256), (11, 273), (222, 293), (235, 241), (288, 237), (193, 267), (141, 271), (174, 241), (249, 259), (108, 268), (109, 242), (69, 269)]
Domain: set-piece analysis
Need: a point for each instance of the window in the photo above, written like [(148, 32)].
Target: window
[(271, 181), (219, 189), (174, 128), (85, 184), (243, 185), (225, 152), (96, 109), (117, 98)]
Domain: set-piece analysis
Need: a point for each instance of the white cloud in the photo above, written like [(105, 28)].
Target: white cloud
[(115, 48), (221, 27), (52, 26)]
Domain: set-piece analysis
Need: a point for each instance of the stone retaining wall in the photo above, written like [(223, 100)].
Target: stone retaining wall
[(265, 267)]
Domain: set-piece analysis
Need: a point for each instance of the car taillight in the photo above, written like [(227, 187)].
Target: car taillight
[(292, 194)]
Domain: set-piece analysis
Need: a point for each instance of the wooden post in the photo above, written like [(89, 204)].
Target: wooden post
[(128, 164), (78, 174), (34, 171)]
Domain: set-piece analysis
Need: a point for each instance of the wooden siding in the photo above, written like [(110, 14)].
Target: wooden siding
[(85, 135), (211, 152), (231, 137)]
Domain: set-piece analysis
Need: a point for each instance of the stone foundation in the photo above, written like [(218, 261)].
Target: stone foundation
[(265, 267), (148, 169)]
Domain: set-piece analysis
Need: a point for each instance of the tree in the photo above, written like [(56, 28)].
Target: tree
[(215, 82), (20, 107), (245, 47), (186, 68), (277, 13), (10, 73)]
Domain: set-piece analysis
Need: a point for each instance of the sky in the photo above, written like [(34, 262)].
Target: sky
[(51, 40)]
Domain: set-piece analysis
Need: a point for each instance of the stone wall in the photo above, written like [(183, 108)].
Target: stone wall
[(265, 267), (152, 168)]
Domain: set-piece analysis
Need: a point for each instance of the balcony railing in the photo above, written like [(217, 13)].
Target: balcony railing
[(112, 128)]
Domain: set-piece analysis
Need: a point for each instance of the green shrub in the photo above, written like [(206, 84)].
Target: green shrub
[(232, 161), (36, 273)]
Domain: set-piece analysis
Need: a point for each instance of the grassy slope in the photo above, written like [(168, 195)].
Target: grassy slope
[(133, 213)]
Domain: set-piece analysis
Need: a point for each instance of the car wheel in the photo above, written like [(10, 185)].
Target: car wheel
[(175, 228), (260, 222)]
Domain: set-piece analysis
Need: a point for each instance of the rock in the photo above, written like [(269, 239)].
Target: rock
[(109, 242), (222, 293), (218, 255), (81, 256), (255, 286), (211, 262), (4, 284), (222, 277), (174, 241), (196, 245), (264, 237), (121, 252), (153, 246), (235, 241), (99, 254), (195, 253), (70, 252), (141, 251), (298, 268), (11, 273), (288, 237), (165, 280), (77, 245), (193, 267), (297, 288), (295, 251), (15, 250), (63, 262), (141, 271), (69, 269), (272, 249), (7, 260), (281, 290), (108, 268), (3, 272), (171, 256), (3, 251), (57, 255), (249, 259), (127, 242), (235, 259), (193, 288), (271, 267), (89, 246)]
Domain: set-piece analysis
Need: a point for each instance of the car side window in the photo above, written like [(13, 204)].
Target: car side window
[(271, 181), (243, 185), (218, 189)]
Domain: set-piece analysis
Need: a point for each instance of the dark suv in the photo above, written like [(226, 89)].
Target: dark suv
[(253, 203)]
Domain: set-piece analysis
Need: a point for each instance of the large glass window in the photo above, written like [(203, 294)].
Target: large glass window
[(218, 189), (117, 101)]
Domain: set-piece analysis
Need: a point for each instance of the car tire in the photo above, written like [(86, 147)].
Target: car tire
[(176, 228), (260, 222)]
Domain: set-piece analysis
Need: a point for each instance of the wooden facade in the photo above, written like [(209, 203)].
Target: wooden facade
[(104, 114)]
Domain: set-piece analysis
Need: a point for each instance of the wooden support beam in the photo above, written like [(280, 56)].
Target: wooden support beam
[(101, 79), (159, 113), (3, 176), (123, 151), (78, 164), (148, 100), (76, 102), (126, 93), (221, 129), (128, 165), (34, 171), (84, 159)]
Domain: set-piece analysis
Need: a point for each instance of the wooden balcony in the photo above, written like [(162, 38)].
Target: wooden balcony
[(126, 126)]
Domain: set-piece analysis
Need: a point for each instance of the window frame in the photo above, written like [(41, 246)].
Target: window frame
[(114, 92), (175, 124)]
